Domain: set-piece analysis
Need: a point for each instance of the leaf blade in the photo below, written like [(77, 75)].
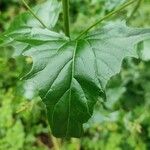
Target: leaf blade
[(71, 76)]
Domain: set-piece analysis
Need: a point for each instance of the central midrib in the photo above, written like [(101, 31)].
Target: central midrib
[(72, 76)]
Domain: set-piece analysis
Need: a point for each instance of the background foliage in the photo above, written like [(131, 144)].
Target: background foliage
[(122, 123)]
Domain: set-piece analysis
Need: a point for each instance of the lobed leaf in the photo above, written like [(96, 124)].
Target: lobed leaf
[(71, 75)]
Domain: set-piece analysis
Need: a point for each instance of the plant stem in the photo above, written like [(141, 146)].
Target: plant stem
[(135, 9), (106, 17), (66, 17), (30, 10)]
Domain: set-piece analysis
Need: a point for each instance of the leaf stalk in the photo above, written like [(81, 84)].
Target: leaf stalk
[(106, 17), (135, 9), (31, 11), (66, 17)]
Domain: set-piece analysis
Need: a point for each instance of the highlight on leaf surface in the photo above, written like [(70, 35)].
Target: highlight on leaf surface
[(71, 75)]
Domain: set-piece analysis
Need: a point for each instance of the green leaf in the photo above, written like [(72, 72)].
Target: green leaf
[(25, 23), (72, 75), (47, 12)]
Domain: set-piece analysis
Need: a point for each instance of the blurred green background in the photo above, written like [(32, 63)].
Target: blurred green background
[(122, 123)]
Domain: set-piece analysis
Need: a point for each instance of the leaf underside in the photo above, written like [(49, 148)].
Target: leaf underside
[(72, 75)]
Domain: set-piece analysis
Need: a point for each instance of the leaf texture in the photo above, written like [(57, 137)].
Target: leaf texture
[(71, 75)]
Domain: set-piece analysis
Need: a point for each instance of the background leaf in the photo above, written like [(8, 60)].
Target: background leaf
[(48, 12)]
